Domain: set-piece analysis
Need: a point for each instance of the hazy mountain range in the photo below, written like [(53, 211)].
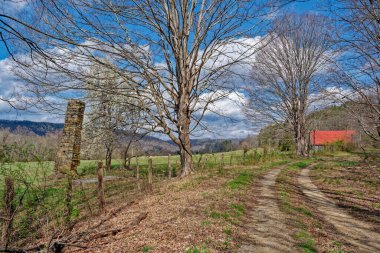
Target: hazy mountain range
[(39, 128), (153, 144)]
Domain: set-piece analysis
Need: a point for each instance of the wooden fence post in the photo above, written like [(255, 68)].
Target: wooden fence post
[(138, 174), (68, 199), (169, 167), (9, 209), (205, 162), (175, 168), (231, 160), (84, 197), (102, 202), (222, 162), (150, 176), (199, 161)]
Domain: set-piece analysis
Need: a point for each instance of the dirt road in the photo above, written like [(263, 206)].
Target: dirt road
[(267, 229), (358, 233)]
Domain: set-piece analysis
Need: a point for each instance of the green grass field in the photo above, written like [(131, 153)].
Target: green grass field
[(33, 171), (43, 195)]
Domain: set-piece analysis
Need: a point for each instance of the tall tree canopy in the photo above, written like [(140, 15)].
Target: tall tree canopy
[(176, 56), (285, 73)]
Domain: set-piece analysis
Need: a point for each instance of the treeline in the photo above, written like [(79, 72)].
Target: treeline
[(220, 146), (23, 145)]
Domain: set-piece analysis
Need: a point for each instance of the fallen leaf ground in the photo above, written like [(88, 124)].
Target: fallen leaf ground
[(203, 212)]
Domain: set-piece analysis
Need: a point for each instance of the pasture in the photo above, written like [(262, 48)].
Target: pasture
[(218, 196)]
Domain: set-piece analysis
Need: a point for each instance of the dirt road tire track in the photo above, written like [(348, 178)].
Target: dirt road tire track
[(267, 229), (358, 233)]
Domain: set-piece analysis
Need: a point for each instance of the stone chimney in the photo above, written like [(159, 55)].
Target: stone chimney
[(68, 155)]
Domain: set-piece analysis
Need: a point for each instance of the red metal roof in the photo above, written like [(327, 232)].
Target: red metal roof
[(325, 137)]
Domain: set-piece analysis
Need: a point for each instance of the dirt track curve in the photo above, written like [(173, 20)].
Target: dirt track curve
[(355, 232), (267, 229)]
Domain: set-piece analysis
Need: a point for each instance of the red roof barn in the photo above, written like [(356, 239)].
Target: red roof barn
[(320, 138)]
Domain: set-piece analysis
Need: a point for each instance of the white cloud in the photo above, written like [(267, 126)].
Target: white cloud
[(227, 103), (13, 90), (238, 50), (225, 117), (329, 96), (232, 125), (235, 59), (4, 106), (9, 86), (223, 129)]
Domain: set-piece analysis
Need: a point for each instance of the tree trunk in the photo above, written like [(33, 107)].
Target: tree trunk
[(300, 136), (101, 199), (184, 137), (186, 161), (129, 163), (125, 157), (301, 145), (108, 159)]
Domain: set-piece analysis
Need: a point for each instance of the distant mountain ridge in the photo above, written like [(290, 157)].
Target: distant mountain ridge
[(154, 144), (39, 128)]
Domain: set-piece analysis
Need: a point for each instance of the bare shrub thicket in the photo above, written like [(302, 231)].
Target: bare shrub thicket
[(22, 145), (35, 209)]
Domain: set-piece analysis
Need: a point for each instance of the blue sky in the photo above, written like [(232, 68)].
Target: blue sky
[(3, 52), (298, 7), (234, 127)]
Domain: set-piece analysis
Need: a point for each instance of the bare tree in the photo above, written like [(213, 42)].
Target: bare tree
[(356, 72), (12, 33), (176, 56), (130, 144), (110, 117), (286, 71)]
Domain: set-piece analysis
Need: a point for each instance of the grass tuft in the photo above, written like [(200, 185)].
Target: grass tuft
[(300, 165), (197, 249), (146, 248), (307, 242), (239, 208), (242, 180)]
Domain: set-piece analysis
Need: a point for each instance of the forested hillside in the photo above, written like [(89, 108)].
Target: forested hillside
[(330, 118), (39, 128)]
